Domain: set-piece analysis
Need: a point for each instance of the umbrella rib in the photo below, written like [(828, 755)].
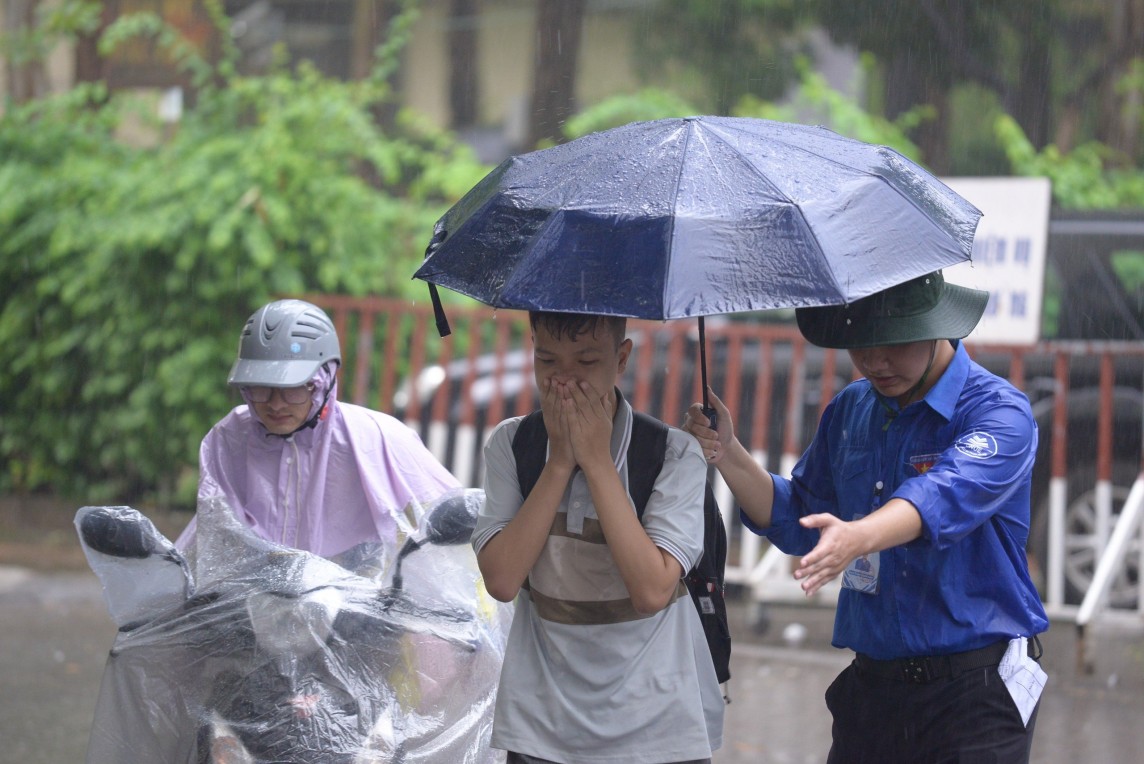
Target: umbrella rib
[(800, 148), (778, 192), (585, 169), (803, 150), (675, 196), (835, 136)]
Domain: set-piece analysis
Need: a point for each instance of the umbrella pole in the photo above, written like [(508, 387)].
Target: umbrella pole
[(708, 410)]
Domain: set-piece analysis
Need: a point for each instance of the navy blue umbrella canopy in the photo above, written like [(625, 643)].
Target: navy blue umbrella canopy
[(698, 216)]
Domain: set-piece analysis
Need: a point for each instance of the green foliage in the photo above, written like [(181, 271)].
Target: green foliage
[(714, 52), (973, 147), (645, 105), (812, 102), (387, 57), (1091, 176), (54, 22), (1129, 268), (136, 25), (815, 102), (126, 271)]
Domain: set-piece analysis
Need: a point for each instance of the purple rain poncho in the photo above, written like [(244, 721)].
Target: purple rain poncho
[(360, 475)]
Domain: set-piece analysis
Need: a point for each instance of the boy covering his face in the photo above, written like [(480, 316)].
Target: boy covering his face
[(606, 659)]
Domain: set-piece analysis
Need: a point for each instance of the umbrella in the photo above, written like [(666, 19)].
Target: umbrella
[(696, 216)]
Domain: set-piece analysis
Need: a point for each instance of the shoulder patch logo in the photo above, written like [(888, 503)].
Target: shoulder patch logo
[(978, 445), (923, 462)]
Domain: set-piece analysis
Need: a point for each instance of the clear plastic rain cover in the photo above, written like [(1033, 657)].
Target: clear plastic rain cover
[(246, 652)]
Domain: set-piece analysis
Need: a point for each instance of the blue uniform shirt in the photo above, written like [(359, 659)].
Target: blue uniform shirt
[(964, 457)]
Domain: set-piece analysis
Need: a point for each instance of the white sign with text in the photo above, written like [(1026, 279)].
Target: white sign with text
[(1009, 253)]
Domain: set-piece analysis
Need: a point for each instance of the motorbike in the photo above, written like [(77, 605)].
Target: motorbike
[(242, 651)]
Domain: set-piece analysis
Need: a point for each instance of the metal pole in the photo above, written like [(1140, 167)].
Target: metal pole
[(1058, 485), (1110, 562), (1126, 525), (1113, 557)]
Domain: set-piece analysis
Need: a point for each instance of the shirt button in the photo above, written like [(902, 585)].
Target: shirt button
[(576, 504)]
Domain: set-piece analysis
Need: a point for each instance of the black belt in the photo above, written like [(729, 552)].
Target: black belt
[(927, 668)]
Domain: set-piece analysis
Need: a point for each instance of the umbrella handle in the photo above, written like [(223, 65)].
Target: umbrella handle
[(708, 409), (712, 417)]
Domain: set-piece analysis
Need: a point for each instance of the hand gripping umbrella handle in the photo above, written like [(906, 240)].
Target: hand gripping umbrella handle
[(712, 417)]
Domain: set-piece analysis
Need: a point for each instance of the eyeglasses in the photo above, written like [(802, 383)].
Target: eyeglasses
[(291, 395)]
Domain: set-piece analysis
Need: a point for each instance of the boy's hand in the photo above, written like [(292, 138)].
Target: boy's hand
[(556, 423), (589, 415)]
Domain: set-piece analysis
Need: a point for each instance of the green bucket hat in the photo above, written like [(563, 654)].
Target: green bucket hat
[(925, 308)]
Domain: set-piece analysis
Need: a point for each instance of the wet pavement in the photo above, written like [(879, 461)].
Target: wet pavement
[(56, 634), (778, 715)]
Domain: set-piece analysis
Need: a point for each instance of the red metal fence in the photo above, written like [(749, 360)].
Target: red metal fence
[(1087, 397)]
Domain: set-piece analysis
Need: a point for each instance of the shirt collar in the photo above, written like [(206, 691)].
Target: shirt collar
[(943, 396)]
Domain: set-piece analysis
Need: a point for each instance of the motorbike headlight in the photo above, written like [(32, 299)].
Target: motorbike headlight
[(293, 625)]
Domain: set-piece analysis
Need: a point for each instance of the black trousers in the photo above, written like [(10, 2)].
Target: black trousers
[(964, 719)]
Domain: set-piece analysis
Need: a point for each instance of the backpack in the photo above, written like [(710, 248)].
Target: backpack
[(646, 453)]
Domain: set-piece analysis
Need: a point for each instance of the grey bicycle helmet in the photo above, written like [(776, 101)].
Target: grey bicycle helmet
[(284, 344)]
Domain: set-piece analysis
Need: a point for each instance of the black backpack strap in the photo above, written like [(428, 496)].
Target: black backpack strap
[(530, 447), (646, 451)]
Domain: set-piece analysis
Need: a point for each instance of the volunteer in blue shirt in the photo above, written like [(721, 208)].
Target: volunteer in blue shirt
[(915, 490)]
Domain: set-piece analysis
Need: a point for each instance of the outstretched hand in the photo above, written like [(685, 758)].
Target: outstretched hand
[(838, 545), (713, 442)]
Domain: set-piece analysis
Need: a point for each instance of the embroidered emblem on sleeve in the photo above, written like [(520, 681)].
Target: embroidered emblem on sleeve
[(978, 445), (923, 462)]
